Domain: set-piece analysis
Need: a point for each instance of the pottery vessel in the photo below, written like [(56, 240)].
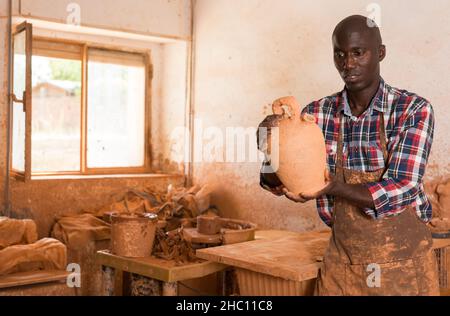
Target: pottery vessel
[(300, 157)]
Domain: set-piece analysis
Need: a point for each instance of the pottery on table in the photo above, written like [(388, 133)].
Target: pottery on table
[(133, 234), (208, 225), (299, 160)]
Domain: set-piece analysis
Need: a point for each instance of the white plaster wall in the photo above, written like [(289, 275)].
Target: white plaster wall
[(171, 112), (163, 17), (251, 52)]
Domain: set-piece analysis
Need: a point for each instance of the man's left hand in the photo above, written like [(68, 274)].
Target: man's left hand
[(304, 197)]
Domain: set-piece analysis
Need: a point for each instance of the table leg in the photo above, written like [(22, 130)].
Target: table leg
[(170, 289), (107, 281), (118, 282), (221, 283), (231, 282)]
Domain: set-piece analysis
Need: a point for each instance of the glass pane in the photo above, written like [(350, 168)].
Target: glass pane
[(19, 80), (116, 110), (18, 138), (56, 96)]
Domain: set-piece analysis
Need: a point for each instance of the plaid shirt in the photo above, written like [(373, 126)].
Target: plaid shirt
[(409, 121)]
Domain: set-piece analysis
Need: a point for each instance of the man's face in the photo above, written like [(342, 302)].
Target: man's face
[(357, 58)]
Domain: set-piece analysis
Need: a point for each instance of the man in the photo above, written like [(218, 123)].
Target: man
[(378, 140)]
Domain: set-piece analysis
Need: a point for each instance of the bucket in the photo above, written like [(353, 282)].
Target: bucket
[(132, 235)]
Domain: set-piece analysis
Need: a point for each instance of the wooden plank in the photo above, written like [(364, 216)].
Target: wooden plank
[(292, 256), (32, 277), (141, 266), (273, 234), (196, 270), (163, 270)]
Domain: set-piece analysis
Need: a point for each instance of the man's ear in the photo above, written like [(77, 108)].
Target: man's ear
[(382, 53)]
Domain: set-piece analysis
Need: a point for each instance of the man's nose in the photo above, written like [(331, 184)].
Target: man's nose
[(349, 62)]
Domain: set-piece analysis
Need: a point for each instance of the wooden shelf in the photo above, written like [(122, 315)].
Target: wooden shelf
[(160, 269), (32, 277)]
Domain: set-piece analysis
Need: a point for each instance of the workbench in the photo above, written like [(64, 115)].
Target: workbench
[(153, 270), (285, 263)]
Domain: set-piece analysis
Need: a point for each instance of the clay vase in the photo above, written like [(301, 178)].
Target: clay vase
[(301, 153)]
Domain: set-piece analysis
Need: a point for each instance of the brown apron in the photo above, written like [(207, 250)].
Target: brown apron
[(390, 256)]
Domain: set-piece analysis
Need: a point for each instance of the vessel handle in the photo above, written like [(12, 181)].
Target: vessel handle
[(286, 106)]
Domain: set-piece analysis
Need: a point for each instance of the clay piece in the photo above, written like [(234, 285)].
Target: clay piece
[(171, 245), (443, 190), (432, 195), (17, 232), (229, 231), (44, 254), (299, 158), (76, 231), (208, 225), (235, 231), (438, 193), (203, 198), (193, 236), (171, 206), (174, 208), (440, 224)]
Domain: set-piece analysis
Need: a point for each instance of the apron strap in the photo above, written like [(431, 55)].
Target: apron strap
[(383, 139), (340, 152)]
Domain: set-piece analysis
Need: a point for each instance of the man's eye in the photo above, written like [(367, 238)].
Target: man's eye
[(358, 52), (339, 54)]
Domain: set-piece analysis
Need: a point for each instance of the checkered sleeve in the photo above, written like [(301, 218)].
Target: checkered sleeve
[(408, 155), (324, 207)]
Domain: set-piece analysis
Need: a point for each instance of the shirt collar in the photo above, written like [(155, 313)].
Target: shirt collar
[(378, 102)]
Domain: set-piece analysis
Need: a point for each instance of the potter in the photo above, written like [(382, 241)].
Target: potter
[(378, 139)]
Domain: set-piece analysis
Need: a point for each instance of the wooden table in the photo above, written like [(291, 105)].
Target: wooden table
[(278, 262), (166, 271)]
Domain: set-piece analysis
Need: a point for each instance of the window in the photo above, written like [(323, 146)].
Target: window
[(56, 114), (90, 112), (116, 107), (21, 102)]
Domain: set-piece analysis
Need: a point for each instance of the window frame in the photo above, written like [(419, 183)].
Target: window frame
[(84, 170), (26, 102)]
